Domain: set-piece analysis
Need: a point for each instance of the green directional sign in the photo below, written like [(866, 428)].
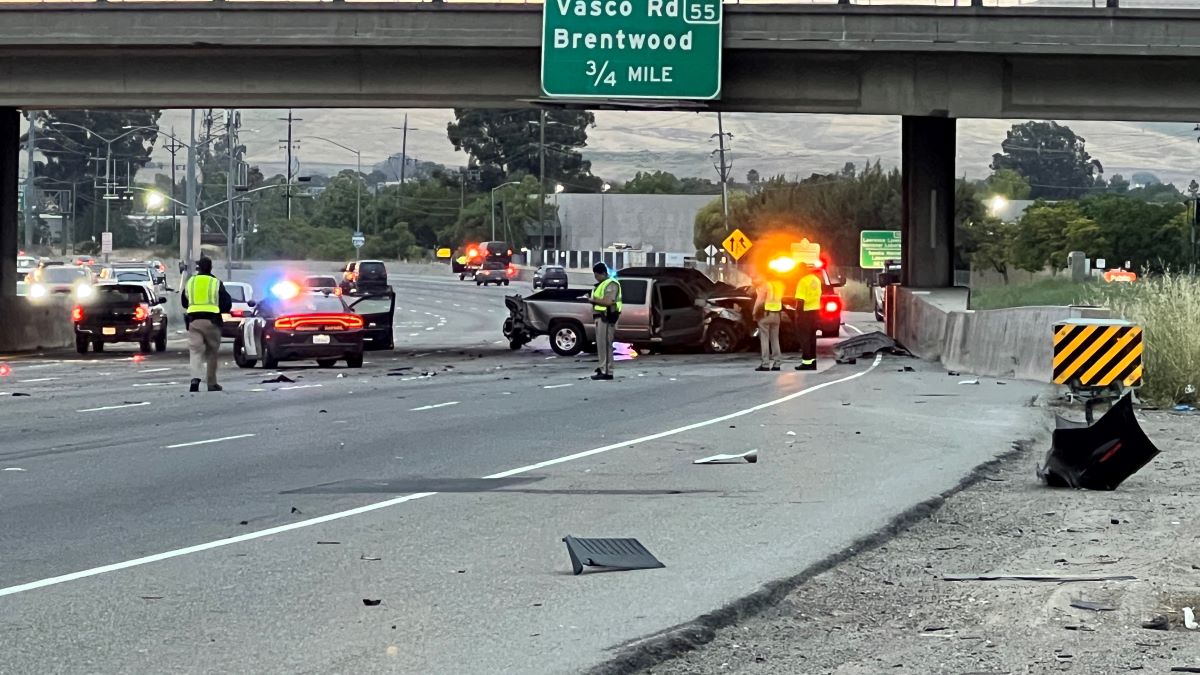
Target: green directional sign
[(877, 246), (632, 49)]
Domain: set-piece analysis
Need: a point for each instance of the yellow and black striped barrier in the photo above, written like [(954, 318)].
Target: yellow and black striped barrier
[(1098, 353)]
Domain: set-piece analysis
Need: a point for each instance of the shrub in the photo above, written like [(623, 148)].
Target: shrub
[(856, 297), (1167, 308)]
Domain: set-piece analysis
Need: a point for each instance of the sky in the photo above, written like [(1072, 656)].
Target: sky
[(623, 143)]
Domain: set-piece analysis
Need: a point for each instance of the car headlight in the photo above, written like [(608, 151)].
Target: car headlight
[(38, 291), (84, 291)]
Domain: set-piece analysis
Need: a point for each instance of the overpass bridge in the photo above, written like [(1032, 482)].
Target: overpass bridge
[(928, 65)]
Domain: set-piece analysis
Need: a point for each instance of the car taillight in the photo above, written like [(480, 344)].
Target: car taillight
[(832, 305), (77, 314), (141, 313), (319, 322), (237, 312), (511, 271)]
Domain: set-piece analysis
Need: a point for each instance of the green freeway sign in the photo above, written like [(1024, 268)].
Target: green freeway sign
[(632, 49), (877, 246)]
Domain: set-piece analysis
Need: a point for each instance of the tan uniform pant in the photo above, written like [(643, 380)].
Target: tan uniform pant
[(605, 332), (204, 341), (768, 340)]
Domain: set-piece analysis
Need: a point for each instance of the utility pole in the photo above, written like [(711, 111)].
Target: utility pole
[(173, 147), (30, 189), (404, 149), (289, 173), (231, 125), (723, 168), (542, 182), (192, 213)]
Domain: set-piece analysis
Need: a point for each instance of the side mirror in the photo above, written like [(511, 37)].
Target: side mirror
[(251, 303), (161, 301), (839, 281)]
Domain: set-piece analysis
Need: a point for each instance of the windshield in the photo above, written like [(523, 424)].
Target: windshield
[(320, 282), (132, 275), (236, 293), (303, 304), (62, 275), (120, 295)]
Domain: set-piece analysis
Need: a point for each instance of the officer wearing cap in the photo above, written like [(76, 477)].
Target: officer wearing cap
[(606, 309)]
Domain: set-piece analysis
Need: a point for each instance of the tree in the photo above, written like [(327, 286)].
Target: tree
[(652, 183), (430, 207), (1118, 183), (990, 243), (504, 143), (337, 205), (1047, 232), (752, 177), (1008, 183), (1193, 189), (516, 211), (1050, 156), (1128, 228), (69, 162)]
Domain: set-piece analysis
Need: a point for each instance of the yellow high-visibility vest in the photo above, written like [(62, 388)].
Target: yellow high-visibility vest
[(204, 295), (774, 300), (598, 293), (808, 290)]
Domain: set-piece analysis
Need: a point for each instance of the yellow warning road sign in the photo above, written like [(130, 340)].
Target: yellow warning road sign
[(1098, 353), (737, 243)]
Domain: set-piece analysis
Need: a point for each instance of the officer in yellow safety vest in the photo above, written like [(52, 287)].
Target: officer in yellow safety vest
[(768, 309), (808, 304), (205, 299), (606, 309)]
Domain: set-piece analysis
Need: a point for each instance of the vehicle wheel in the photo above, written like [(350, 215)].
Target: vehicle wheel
[(478, 282), (721, 338), (145, 346), (461, 277), (354, 361), (326, 363), (567, 338), (879, 315), (97, 346), (269, 360), (239, 355), (160, 340), (535, 285), (832, 333), (81, 344)]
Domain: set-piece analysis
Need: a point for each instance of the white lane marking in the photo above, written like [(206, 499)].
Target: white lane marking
[(367, 508), (155, 384), (13, 468), (413, 334), (300, 386), (154, 370), (431, 327), (37, 379), (417, 356), (431, 407), (854, 328), (114, 407), (457, 305), (258, 389), (556, 386), (211, 440)]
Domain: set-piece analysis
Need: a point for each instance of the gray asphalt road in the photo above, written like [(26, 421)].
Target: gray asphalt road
[(147, 530)]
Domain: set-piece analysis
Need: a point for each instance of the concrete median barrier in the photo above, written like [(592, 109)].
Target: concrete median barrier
[(935, 324), (29, 327)]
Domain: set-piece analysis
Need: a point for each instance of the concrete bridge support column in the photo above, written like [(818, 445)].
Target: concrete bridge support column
[(927, 165), (10, 157)]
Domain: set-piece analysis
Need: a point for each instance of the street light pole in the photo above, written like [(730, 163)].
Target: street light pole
[(30, 192), (494, 204), (603, 190), (542, 182), (192, 215)]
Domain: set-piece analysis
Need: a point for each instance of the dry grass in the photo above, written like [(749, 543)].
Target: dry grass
[(1168, 309), (856, 297)]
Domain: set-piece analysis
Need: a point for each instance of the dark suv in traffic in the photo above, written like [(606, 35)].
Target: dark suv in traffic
[(362, 277), (550, 276), (120, 312)]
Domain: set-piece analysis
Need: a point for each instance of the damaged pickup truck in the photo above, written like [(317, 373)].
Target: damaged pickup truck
[(664, 308)]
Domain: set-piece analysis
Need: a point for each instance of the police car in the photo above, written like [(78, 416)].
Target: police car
[(293, 325)]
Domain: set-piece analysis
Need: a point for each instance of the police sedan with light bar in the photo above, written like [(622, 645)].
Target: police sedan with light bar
[(292, 324)]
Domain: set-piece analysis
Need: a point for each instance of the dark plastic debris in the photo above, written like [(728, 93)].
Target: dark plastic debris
[(1100, 456), (278, 380), (371, 603), (1159, 622), (867, 344), (1093, 606), (19, 393), (621, 554)]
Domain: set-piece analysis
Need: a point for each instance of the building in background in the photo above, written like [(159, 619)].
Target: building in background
[(645, 222)]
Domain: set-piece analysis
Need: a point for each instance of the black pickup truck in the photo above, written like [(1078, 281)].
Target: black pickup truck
[(120, 312)]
